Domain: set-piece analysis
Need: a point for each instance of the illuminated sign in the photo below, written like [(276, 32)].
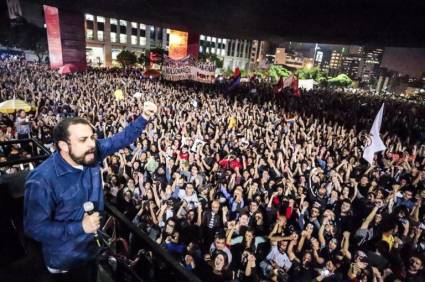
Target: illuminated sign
[(178, 44)]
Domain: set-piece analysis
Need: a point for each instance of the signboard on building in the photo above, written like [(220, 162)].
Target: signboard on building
[(178, 44)]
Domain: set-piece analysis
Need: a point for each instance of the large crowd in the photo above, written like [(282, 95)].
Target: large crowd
[(247, 185)]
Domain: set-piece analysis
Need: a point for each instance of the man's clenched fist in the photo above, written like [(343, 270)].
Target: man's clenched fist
[(149, 110)]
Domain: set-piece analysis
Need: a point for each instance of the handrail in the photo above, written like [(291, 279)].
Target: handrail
[(46, 154), (23, 161), (138, 233), (153, 246)]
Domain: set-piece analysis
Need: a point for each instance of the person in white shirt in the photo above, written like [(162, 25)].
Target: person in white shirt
[(189, 195), (277, 258)]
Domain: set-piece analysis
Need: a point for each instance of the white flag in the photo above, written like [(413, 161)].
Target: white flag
[(374, 141)]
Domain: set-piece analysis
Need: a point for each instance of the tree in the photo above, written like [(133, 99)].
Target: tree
[(341, 80), (40, 50), (276, 71), (227, 72), (311, 73), (143, 59), (211, 58), (126, 58)]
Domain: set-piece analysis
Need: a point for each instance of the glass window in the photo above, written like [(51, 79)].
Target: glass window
[(100, 26), (142, 33), (142, 41), (208, 38), (100, 19), (89, 24), (134, 25), (224, 40), (152, 28), (123, 29), (100, 35), (143, 26), (113, 37), (123, 38), (114, 24), (202, 37), (89, 34), (134, 40), (89, 17), (134, 31), (201, 49)]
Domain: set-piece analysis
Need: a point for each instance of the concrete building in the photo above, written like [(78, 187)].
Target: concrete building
[(233, 52), (350, 66), (335, 62), (293, 60), (237, 54), (212, 45), (107, 37), (258, 54), (369, 66)]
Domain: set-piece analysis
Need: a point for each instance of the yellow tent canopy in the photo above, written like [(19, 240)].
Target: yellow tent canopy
[(11, 106)]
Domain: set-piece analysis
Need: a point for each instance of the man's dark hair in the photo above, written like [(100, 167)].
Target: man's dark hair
[(61, 132)]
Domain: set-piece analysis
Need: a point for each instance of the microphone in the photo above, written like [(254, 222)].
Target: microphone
[(89, 209)]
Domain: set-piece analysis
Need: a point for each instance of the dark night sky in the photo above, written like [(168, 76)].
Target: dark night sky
[(409, 61)]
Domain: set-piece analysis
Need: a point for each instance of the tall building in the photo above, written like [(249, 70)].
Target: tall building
[(350, 66), (370, 63), (107, 37), (351, 59), (322, 59), (293, 60), (238, 53), (212, 45), (258, 54), (335, 62)]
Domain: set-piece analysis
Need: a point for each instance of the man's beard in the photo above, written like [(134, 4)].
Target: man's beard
[(82, 159)]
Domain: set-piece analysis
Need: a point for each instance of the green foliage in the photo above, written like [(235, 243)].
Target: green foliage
[(143, 59), (276, 71), (311, 73), (342, 80), (245, 73), (211, 58), (260, 74), (227, 72), (127, 58)]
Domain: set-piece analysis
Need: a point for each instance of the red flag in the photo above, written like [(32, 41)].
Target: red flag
[(236, 73), (294, 86)]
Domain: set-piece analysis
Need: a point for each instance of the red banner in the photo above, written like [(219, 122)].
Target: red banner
[(51, 16)]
